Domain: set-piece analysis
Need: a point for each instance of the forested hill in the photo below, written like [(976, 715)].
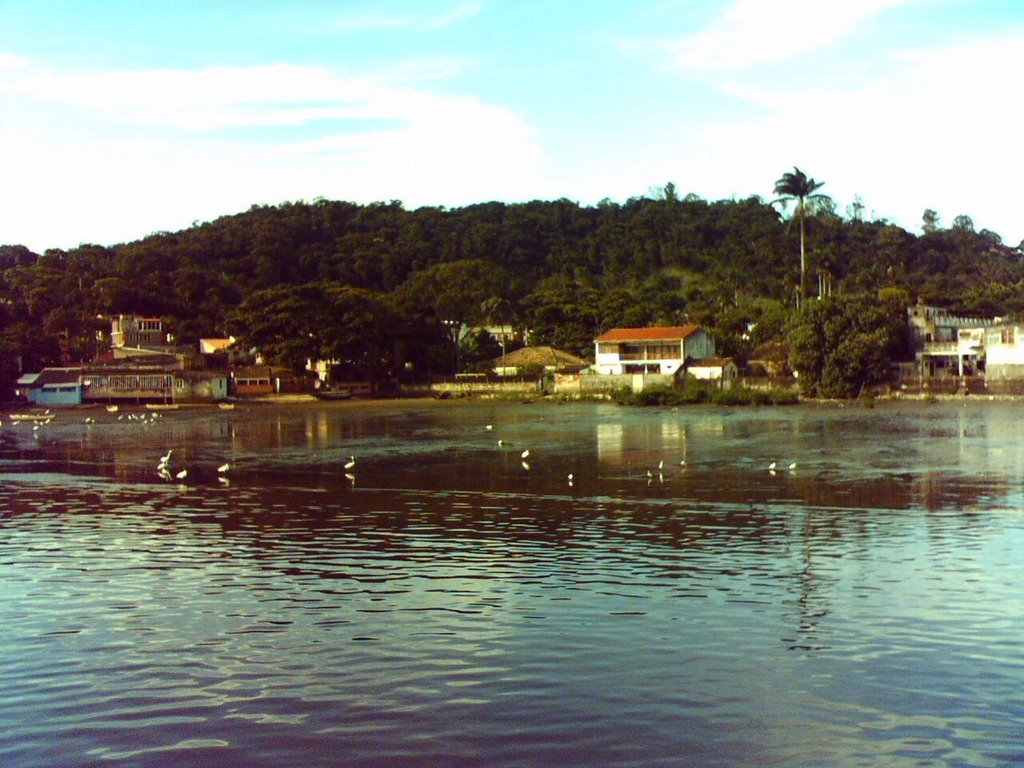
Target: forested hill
[(565, 271)]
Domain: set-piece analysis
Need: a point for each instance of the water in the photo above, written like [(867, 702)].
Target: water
[(446, 606)]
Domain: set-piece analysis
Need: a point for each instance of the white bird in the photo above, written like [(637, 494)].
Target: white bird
[(182, 475), (771, 466), (223, 468), (351, 462), (661, 465), (166, 458), (501, 443), (489, 426), (570, 477), (224, 480), (524, 454), (682, 463), (792, 466), (526, 466)]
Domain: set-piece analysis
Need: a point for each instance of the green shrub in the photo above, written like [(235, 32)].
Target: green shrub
[(660, 396), (694, 392), (734, 396), (745, 396)]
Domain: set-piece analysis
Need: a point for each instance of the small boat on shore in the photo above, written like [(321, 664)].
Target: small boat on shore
[(333, 394), (112, 408), (226, 406), (162, 406)]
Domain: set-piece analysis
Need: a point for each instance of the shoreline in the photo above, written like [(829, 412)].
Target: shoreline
[(420, 401)]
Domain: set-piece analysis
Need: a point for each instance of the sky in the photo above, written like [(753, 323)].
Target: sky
[(119, 118)]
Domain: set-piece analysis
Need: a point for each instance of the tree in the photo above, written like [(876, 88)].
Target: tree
[(282, 323), (292, 324), (842, 344), (797, 187), (929, 221), (963, 223), (565, 314), (498, 311), (453, 294), (855, 210)]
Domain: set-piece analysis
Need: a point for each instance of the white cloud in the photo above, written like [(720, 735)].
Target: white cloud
[(201, 99), (939, 130), (167, 147), (753, 32), (11, 62)]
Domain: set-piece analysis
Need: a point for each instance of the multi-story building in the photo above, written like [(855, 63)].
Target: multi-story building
[(946, 344), (651, 350), (135, 331)]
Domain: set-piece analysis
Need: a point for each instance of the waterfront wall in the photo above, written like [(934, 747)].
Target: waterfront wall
[(595, 383)]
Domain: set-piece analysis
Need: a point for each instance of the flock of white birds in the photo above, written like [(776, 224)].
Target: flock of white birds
[(165, 472)]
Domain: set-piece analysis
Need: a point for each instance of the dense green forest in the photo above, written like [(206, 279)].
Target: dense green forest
[(381, 286)]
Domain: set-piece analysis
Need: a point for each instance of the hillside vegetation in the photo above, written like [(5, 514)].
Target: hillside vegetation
[(381, 286)]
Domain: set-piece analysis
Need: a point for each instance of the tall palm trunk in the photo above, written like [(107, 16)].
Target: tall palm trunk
[(803, 261), (797, 187)]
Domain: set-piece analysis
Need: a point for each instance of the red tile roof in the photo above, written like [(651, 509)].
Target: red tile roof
[(673, 333)]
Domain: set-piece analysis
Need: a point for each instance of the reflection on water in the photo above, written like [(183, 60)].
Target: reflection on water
[(443, 605)]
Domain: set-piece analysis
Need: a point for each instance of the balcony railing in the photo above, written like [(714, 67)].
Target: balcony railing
[(941, 348), (626, 356)]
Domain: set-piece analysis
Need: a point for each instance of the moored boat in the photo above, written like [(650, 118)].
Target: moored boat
[(333, 394)]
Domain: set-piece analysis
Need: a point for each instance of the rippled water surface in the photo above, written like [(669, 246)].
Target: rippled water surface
[(441, 604)]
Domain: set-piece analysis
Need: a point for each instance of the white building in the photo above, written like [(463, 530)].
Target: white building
[(1004, 351), (651, 350), (945, 344)]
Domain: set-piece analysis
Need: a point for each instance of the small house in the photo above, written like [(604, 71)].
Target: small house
[(255, 380), (200, 385), (721, 369), (547, 359), (1004, 351), (57, 386)]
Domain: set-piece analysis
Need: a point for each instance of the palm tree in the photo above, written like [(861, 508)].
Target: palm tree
[(799, 188)]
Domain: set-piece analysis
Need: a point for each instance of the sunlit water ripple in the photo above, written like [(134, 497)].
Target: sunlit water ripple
[(446, 606)]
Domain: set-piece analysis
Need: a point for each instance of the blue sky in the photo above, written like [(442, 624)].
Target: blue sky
[(123, 117)]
